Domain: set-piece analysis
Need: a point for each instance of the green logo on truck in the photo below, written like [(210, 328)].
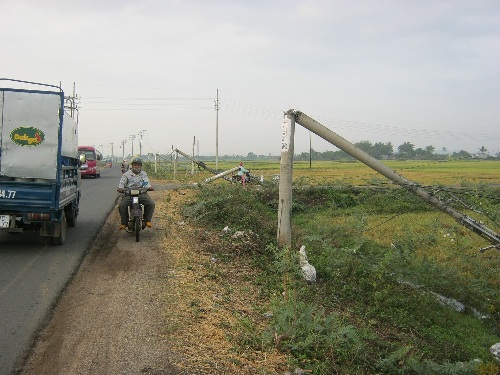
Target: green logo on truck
[(24, 136)]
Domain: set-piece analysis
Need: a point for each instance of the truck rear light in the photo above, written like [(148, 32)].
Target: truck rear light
[(38, 216)]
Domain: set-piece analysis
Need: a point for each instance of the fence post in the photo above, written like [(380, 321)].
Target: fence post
[(284, 235)]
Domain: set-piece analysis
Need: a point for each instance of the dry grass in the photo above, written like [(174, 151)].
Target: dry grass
[(208, 299), (425, 172)]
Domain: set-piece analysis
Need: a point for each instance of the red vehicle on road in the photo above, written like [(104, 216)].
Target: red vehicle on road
[(90, 167)]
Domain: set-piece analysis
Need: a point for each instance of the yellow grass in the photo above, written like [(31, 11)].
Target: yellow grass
[(425, 172)]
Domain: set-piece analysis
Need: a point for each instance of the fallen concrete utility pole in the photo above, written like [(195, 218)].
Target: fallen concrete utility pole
[(328, 135), (206, 167), (225, 173), (199, 163)]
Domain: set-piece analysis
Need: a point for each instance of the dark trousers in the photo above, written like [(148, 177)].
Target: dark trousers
[(144, 199)]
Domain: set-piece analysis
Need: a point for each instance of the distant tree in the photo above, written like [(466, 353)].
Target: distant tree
[(366, 146), (483, 150), (378, 150), (420, 153), (381, 150), (430, 150), (461, 155), (406, 150)]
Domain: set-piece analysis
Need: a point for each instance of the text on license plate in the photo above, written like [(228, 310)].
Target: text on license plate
[(4, 221)]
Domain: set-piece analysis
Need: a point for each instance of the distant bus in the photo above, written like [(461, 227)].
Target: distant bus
[(90, 168)]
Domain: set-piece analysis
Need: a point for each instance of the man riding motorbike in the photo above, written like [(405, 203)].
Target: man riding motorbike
[(132, 179), (124, 166)]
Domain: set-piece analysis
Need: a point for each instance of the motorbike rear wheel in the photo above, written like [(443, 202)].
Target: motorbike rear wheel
[(138, 228)]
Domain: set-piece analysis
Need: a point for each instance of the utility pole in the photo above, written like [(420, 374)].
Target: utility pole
[(310, 151), (192, 162), (123, 148), (71, 103), (101, 148), (216, 105), (132, 137), (284, 236), (112, 153), (141, 134)]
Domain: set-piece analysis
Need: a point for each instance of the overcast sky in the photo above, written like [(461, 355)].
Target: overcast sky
[(426, 72)]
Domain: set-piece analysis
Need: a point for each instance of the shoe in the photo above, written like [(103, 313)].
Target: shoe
[(122, 227), (149, 224)]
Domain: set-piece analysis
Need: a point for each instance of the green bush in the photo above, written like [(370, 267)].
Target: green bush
[(374, 309)]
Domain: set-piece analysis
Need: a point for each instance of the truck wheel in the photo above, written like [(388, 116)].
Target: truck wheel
[(61, 238), (71, 217)]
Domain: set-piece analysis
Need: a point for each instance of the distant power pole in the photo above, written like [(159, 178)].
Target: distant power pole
[(310, 151), (192, 162), (112, 153), (216, 105), (123, 148), (141, 134), (132, 137)]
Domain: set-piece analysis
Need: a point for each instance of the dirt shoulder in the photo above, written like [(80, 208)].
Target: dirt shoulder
[(163, 305)]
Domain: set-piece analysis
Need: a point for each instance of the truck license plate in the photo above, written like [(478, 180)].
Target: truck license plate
[(4, 221)]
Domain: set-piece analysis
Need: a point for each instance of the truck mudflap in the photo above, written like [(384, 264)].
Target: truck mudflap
[(54, 232)]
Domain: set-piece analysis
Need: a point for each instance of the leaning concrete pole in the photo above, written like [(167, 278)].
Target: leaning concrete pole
[(373, 163), (285, 183), (220, 175)]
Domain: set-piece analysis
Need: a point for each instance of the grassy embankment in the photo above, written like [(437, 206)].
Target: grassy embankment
[(385, 263)]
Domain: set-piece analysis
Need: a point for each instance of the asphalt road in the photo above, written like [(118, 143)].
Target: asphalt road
[(32, 275)]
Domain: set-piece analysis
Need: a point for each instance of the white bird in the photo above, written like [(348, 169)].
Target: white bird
[(308, 269)]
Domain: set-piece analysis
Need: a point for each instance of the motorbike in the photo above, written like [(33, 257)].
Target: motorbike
[(136, 221), (236, 179)]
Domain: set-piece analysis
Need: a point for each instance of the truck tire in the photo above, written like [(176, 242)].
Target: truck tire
[(61, 238), (71, 216)]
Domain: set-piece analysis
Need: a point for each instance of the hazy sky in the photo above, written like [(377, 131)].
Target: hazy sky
[(426, 72)]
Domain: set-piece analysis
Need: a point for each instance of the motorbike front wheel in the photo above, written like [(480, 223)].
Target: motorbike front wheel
[(138, 228)]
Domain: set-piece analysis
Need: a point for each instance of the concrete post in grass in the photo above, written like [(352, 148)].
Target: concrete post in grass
[(285, 184)]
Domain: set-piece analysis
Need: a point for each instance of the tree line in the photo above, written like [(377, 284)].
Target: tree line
[(379, 150), (405, 151)]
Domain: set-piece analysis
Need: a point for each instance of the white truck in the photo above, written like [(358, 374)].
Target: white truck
[(39, 160)]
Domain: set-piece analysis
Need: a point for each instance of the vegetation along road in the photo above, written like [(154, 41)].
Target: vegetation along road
[(401, 287)]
